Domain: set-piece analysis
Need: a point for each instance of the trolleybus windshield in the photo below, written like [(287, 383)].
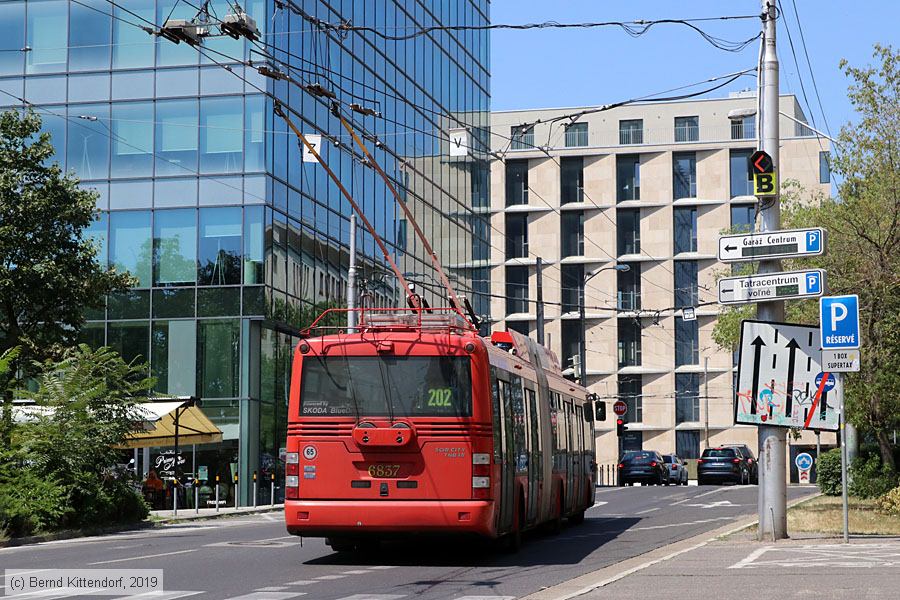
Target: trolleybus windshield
[(398, 386)]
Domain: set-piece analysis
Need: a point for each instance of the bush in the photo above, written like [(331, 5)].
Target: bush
[(30, 504), (828, 472), (870, 478), (889, 503)]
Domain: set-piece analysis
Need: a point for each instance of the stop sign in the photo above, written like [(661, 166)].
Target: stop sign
[(620, 408)]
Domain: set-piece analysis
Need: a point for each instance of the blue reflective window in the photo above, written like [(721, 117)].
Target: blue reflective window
[(96, 233), (167, 52), (46, 90), (216, 80), (47, 35), (175, 247), (11, 89), (12, 37), (177, 82), (53, 121), (253, 245), (130, 244), (255, 140), (219, 258), (223, 49), (175, 192), (176, 137), (88, 143), (91, 34), (132, 47), (89, 88), (132, 85), (221, 135), (132, 149)]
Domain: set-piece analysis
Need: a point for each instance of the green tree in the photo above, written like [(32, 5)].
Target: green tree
[(49, 273), (863, 246)]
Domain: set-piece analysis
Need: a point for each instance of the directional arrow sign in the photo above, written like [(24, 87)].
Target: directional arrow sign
[(780, 379), (761, 162), (792, 243), (772, 286)]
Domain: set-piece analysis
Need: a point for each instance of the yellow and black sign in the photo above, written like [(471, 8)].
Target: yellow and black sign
[(765, 184)]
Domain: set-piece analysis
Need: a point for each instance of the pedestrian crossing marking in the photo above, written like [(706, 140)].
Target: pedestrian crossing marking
[(330, 577), (356, 572), (268, 596), (301, 582), (374, 597), (271, 588), (382, 567), (160, 595)]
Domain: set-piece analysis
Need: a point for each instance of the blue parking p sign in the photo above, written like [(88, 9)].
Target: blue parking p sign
[(813, 241), (839, 322)]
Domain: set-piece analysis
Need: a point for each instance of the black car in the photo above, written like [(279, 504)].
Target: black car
[(644, 466), (720, 465), (752, 463)]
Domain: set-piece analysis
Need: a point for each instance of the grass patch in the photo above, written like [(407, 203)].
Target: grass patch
[(823, 514)]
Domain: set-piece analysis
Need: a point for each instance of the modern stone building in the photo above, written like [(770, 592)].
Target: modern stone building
[(236, 241), (651, 186)]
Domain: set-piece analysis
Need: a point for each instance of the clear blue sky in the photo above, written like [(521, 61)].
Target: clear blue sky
[(550, 68)]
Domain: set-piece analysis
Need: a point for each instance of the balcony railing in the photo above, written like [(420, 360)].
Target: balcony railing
[(576, 138), (687, 133), (743, 130), (629, 300), (631, 136)]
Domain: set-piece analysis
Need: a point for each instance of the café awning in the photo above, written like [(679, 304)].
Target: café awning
[(194, 427)]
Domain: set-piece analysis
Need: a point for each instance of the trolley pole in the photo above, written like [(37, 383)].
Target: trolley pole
[(772, 506), (351, 280)]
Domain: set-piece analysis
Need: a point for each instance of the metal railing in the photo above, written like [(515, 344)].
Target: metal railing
[(576, 137), (687, 133)]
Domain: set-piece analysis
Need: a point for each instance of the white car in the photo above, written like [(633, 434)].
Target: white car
[(676, 468)]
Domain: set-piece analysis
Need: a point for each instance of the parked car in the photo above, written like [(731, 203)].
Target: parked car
[(752, 463), (676, 468), (644, 466), (720, 465)]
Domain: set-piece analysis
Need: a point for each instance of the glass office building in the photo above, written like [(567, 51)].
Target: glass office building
[(238, 243)]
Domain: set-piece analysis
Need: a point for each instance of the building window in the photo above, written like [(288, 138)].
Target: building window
[(629, 288), (687, 129), (218, 358), (572, 233), (176, 137), (12, 33), (130, 244), (221, 142), (741, 181), (175, 247), (687, 398), (684, 175), (47, 36), (743, 218), (572, 280), (173, 356), (90, 35), (88, 142), (825, 167), (803, 130), (743, 128), (628, 231), (629, 343), (132, 47), (131, 339), (219, 256), (631, 131), (685, 229), (516, 290), (571, 342), (686, 286), (687, 444), (628, 177), (687, 342), (576, 135), (631, 393), (522, 137), (519, 327), (254, 247), (516, 182), (571, 179), (132, 148), (516, 236), (633, 441)]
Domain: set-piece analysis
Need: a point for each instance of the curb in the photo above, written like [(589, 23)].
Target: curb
[(148, 523)]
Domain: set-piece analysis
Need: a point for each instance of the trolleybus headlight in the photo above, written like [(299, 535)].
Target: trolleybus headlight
[(470, 347), (304, 347)]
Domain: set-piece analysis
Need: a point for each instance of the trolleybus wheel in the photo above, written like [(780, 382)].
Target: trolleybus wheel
[(341, 544)]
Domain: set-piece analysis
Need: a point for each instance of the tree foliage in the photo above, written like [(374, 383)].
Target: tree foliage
[(863, 254), (48, 268)]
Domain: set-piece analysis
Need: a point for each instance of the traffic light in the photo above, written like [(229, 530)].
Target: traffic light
[(600, 410), (621, 426)]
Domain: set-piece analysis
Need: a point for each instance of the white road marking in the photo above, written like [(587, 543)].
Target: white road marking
[(329, 577), (301, 582), (486, 598), (750, 558), (599, 503), (649, 510), (717, 504), (374, 597), (268, 596), (160, 595), (700, 522), (269, 517), (271, 588), (356, 572), (118, 560), (382, 567)]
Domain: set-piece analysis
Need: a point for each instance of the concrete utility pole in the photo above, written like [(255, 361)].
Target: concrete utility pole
[(351, 278), (772, 440)]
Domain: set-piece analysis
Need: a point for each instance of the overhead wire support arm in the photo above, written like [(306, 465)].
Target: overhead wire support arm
[(457, 304), (312, 150)]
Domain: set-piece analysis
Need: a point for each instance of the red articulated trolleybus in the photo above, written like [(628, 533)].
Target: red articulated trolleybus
[(415, 424)]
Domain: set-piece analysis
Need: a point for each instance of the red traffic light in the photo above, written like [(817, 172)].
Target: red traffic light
[(619, 422)]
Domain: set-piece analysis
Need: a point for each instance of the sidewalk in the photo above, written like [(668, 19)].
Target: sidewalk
[(740, 568), (190, 514)]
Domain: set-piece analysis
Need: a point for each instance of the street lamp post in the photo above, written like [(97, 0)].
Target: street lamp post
[(582, 354)]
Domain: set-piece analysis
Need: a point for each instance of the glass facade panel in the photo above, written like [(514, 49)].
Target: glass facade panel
[(572, 279), (12, 37), (687, 398), (576, 135), (631, 131), (132, 85), (687, 444), (629, 287), (254, 271), (254, 132), (46, 90), (628, 231), (572, 233), (91, 33), (628, 178), (687, 342), (219, 260), (686, 287), (522, 137), (219, 302), (173, 347), (130, 244), (516, 182), (89, 88), (218, 358), (173, 303), (96, 233), (47, 35), (743, 218), (571, 179), (741, 181), (631, 392), (168, 54), (516, 236), (687, 129), (174, 247), (629, 331), (132, 134), (516, 290), (824, 167), (684, 175), (130, 304), (685, 222), (176, 137), (132, 47), (221, 135), (131, 339)]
